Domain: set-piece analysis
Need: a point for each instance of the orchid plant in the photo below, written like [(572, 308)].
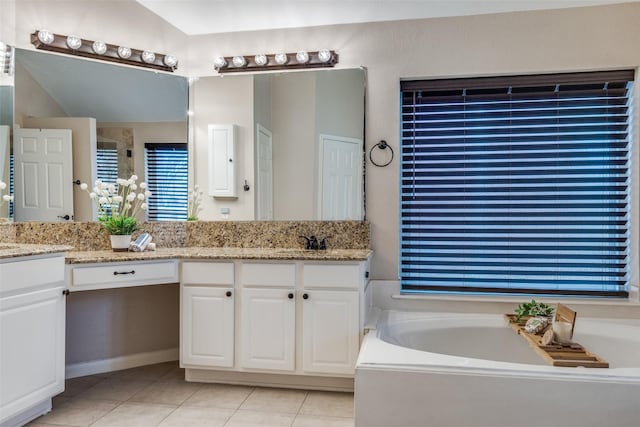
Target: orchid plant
[(118, 203), (5, 197), (194, 199)]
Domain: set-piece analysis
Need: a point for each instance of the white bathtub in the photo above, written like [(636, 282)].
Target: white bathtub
[(458, 370)]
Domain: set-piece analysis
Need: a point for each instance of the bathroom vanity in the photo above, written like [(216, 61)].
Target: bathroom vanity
[(32, 330), (280, 317)]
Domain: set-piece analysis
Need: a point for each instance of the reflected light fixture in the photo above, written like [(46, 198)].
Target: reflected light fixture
[(278, 61), (74, 45)]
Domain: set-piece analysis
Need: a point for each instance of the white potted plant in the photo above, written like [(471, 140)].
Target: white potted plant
[(118, 204), (5, 198)]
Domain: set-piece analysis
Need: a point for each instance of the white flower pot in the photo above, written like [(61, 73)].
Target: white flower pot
[(120, 243)]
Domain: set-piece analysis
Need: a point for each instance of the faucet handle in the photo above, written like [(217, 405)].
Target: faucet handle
[(307, 243), (313, 243), (323, 243)]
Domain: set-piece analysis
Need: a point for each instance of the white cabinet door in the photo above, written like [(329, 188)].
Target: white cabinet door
[(330, 333), (267, 329), (222, 161), (32, 327), (207, 326)]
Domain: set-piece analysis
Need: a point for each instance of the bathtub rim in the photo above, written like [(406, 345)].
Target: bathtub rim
[(377, 354)]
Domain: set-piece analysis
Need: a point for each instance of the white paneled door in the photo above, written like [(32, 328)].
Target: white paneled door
[(341, 178), (43, 175)]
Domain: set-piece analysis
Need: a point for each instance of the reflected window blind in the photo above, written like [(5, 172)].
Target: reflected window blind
[(107, 164), (166, 175), (516, 184)]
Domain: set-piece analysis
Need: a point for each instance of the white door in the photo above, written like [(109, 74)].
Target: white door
[(43, 169), (31, 350), (267, 329), (207, 326), (222, 160), (330, 334), (340, 178), (264, 180)]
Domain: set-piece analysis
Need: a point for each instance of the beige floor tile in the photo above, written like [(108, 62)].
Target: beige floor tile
[(135, 415), (148, 372), (75, 386), (78, 412), (275, 400), (166, 392), (115, 389), (37, 424), (319, 421), (329, 404), (176, 374), (219, 396), (196, 417), (243, 418)]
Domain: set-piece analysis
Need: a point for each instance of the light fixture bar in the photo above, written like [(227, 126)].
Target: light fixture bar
[(280, 61), (45, 40)]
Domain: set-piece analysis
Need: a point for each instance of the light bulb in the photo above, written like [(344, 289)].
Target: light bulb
[(148, 57), (124, 52), (324, 55), (220, 62), (281, 58), (261, 59), (45, 36), (302, 57), (74, 42), (170, 61), (99, 47), (239, 61)]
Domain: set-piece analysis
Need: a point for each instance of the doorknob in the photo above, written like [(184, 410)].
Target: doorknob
[(65, 217)]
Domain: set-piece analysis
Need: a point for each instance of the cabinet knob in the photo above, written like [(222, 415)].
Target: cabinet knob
[(305, 296), (228, 293), (290, 296), (65, 292)]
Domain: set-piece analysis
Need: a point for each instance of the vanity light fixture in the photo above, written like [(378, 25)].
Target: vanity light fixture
[(74, 45), (278, 61)]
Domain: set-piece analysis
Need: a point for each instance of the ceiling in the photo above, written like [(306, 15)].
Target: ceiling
[(109, 93), (222, 16)]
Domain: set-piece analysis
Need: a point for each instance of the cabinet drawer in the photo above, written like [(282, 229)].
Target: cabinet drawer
[(268, 274), (24, 274), (207, 273), (332, 275), (118, 275)]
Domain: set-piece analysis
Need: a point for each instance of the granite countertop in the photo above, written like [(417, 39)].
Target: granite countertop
[(12, 250), (83, 257)]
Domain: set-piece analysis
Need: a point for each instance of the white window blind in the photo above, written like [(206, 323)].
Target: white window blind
[(516, 184), (166, 175), (108, 164)]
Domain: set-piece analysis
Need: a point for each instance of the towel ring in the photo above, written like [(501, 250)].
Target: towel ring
[(383, 146)]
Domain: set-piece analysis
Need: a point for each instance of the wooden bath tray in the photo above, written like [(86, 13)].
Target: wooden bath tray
[(567, 355)]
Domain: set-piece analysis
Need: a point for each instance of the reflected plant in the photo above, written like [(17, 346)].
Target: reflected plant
[(118, 203), (5, 197), (194, 199)]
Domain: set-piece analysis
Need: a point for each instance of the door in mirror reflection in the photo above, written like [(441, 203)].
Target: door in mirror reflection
[(43, 164), (341, 178)]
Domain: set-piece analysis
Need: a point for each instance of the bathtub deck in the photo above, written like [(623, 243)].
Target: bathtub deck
[(568, 355)]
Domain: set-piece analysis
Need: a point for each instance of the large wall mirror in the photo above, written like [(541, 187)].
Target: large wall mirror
[(300, 141), (108, 108)]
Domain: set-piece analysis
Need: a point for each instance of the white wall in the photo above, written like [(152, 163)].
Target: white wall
[(217, 100), (514, 43), (580, 39)]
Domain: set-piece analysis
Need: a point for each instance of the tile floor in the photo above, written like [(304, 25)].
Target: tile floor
[(157, 395)]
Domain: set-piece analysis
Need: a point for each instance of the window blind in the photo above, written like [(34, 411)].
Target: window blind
[(166, 175), (108, 164), (516, 184)]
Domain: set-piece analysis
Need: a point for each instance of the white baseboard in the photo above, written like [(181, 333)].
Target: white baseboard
[(123, 362)]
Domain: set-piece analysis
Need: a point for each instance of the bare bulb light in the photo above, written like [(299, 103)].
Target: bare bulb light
[(302, 57), (45, 36), (124, 52), (261, 59), (324, 55), (220, 62), (148, 57), (281, 58), (99, 47), (239, 61), (170, 61), (74, 42)]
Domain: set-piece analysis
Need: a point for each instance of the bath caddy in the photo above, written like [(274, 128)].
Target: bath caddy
[(567, 355)]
